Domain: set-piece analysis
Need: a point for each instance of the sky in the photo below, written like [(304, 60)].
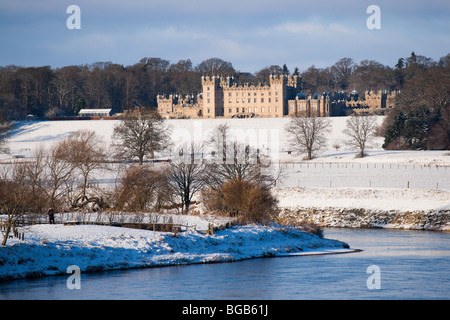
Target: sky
[(251, 34)]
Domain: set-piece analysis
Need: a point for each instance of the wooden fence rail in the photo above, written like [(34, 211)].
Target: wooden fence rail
[(14, 231)]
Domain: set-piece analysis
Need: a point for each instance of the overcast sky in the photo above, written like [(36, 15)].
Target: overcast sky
[(252, 34)]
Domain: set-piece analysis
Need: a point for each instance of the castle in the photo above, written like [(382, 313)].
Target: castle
[(221, 97), (373, 102)]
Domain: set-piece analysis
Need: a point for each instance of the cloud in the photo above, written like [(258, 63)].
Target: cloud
[(251, 34), (307, 28), (314, 29)]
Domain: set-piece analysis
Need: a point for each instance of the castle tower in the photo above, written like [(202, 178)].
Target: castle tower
[(278, 88), (212, 97)]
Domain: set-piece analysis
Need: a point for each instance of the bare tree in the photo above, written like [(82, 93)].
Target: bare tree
[(239, 179), (215, 66), (138, 188), (58, 173), (141, 132), (186, 174), (342, 71), (14, 196), (235, 160), (35, 175), (308, 134), (86, 151), (361, 129)]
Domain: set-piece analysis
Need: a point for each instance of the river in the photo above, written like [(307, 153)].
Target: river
[(394, 264)]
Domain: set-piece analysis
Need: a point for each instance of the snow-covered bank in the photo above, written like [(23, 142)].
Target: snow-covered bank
[(438, 220), (51, 249), (367, 208)]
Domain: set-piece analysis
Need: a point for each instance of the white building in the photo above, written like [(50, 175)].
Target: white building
[(94, 113)]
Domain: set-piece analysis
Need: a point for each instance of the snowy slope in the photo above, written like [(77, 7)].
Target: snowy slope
[(267, 134)]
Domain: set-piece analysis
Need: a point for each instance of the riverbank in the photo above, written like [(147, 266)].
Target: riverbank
[(51, 249), (438, 220), (367, 208)]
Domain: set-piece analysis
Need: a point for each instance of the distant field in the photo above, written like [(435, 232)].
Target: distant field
[(334, 168)]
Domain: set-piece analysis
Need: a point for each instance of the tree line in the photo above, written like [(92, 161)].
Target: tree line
[(419, 120), (45, 92)]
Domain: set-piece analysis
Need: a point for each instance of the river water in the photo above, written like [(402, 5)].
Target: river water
[(393, 265)]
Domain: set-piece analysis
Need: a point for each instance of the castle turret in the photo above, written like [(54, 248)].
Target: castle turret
[(212, 97)]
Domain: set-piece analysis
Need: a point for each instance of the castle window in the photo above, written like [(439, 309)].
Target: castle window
[(262, 93), (230, 100), (262, 109), (276, 99), (209, 110), (270, 109), (237, 100), (207, 88), (243, 100), (249, 100), (229, 110), (209, 100), (254, 100), (262, 100), (237, 110), (229, 94), (270, 100)]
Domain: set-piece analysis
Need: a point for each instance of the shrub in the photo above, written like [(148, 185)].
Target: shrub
[(138, 189), (246, 200), (311, 227)]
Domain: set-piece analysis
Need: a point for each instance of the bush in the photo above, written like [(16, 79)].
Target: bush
[(244, 199), (139, 189), (311, 227)]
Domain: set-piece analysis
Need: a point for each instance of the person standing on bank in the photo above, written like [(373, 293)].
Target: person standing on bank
[(51, 216)]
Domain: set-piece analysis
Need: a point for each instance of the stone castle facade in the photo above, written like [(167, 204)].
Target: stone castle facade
[(223, 98), (371, 102)]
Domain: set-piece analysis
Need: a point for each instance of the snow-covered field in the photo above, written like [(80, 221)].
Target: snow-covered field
[(406, 178), (267, 134), (364, 198), (403, 181)]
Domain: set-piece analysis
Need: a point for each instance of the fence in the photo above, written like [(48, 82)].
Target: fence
[(362, 165), (4, 224), (364, 175)]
